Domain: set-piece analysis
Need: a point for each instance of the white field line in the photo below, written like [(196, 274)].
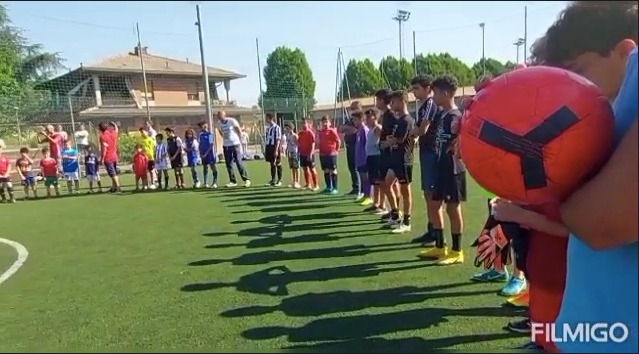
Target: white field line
[(23, 254)]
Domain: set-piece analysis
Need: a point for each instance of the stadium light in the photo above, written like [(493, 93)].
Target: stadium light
[(401, 17), (518, 43), (483, 46)]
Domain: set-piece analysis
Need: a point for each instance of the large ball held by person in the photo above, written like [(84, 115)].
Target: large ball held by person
[(535, 134)]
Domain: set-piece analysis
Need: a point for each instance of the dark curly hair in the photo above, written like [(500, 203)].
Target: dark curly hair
[(586, 26), (446, 83), (424, 81)]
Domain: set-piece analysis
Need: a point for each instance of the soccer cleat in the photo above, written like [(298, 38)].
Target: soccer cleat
[(370, 208), (269, 184), (231, 184), (491, 275), (197, 185), (247, 183), (334, 192), (214, 186), (515, 286), (366, 201), (278, 184), (315, 189), (359, 197), (326, 191), (453, 257), (206, 185), (393, 223), (433, 253), (353, 192), (386, 216), (297, 185), (289, 186), (521, 300), (401, 228), (519, 326)]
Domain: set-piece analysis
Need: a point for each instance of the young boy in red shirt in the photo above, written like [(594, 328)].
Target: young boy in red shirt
[(49, 169), (140, 164), (306, 148), (5, 178), (328, 148)]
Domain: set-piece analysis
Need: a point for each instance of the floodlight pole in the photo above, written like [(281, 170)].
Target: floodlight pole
[(205, 72), (401, 17), (518, 44), (483, 46)]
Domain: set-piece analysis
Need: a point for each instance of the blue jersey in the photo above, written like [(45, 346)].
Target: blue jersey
[(601, 285), (91, 164), (70, 160), (192, 151), (206, 139)]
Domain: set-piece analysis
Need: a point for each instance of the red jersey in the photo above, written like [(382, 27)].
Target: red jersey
[(305, 142), (55, 144), (4, 165), (140, 162), (49, 167), (109, 143), (328, 141)]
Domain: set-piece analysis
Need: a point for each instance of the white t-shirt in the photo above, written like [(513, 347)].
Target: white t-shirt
[(82, 137), (229, 135)]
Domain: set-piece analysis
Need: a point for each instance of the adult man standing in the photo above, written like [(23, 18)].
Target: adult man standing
[(55, 141), (273, 150), (148, 126), (232, 149), (350, 138), (81, 138), (109, 149)]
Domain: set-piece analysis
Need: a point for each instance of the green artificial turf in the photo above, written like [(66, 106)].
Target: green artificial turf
[(236, 270)]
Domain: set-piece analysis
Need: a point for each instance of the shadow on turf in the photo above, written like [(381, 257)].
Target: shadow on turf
[(277, 230), (401, 345), (265, 257), (320, 304), (345, 328), (308, 238), (275, 280), (287, 219)]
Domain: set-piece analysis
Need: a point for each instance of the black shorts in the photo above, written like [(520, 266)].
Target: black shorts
[(362, 169), (328, 162), (177, 163), (271, 155), (403, 172), (150, 165), (450, 188), (373, 165), (307, 161)]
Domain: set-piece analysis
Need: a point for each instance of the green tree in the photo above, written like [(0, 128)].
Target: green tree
[(396, 73), (22, 66), (509, 65), (444, 64), (361, 79), (290, 86), (493, 67)]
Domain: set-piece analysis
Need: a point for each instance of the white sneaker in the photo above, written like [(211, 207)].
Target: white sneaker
[(278, 184), (289, 186), (381, 212), (315, 189), (269, 184), (360, 197), (152, 187), (231, 184), (214, 186), (247, 183), (197, 184), (393, 223), (297, 186), (401, 228), (206, 186)]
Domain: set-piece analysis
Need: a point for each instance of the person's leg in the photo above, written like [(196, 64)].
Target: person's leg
[(145, 182), (457, 195), (76, 183), (428, 166), (69, 183), (25, 185), (333, 171), (352, 169), (205, 173), (237, 154), (47, 185), (228, 152), (215, 173), (166, 178), (9, 187), (34, 188), (391, 198), (278, 171), (194, 176), (137, 183), (404, 179)]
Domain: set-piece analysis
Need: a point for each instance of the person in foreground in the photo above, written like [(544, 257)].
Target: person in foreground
[(232, 149), (598, 41), (306, 149)]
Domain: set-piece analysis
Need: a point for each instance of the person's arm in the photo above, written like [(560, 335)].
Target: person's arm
[(428, 114), (401, 133), (19, 170), (338, 141), (506, 211), (115, 128), (312, 135), (603, 212)]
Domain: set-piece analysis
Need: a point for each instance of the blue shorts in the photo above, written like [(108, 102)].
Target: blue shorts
[(191, 161), (328, 162), (209, 159), (29, 181), (111, 168), (428, 166)]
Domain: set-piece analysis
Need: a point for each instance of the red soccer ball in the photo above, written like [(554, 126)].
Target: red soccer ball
[(534, 135)]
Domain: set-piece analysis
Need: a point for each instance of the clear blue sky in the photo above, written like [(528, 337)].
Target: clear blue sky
[(86, 31)]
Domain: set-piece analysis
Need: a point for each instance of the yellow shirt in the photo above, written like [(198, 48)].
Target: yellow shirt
[(148, 144)]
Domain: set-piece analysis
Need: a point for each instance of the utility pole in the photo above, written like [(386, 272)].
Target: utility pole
[(401, 17), (205, 71), (146, 88), (483, 46), (517, 44), (525, 34)]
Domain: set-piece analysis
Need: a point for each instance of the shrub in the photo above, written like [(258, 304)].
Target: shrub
[(126, 147)]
